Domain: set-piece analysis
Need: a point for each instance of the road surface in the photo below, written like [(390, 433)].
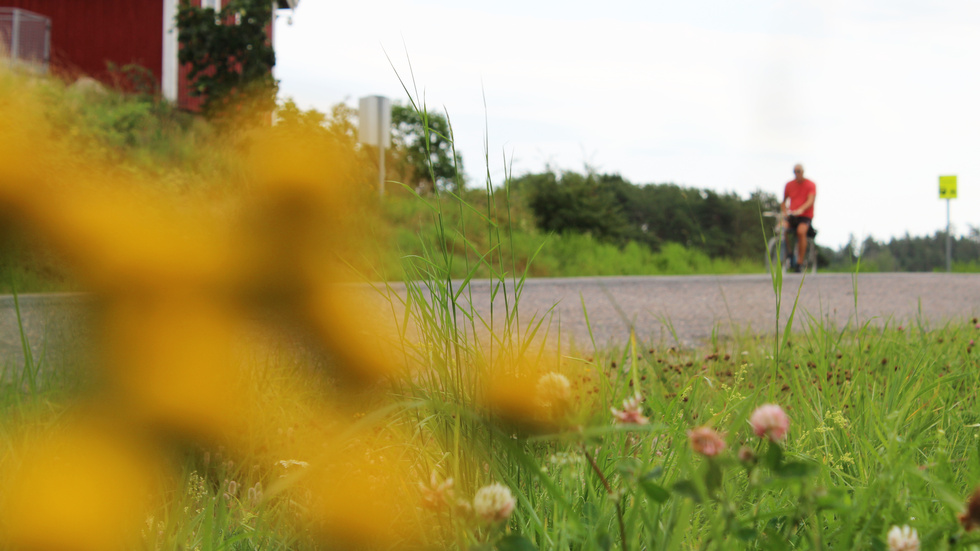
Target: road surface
[(695, 307), (685, 310)]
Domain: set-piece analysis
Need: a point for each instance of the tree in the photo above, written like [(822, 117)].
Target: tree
[(423, 150), (572, 202), (339, 125), (230, 56), (615, 210), (336, 131)]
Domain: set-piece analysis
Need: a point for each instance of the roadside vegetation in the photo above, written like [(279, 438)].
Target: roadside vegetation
[(241, 394), (646, 446), (569, 223)]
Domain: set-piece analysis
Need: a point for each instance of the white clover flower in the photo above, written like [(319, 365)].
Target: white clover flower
[(903, 539), (554, 389), (286, 465), (494, 503), (632, 413), (435, 494)]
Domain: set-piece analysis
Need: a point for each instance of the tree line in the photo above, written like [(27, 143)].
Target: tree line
[(722, 225), (613, 210), (909, 253)]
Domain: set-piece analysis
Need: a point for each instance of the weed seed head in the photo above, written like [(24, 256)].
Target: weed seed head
[(706, 441), (746, 455), (970, 519)]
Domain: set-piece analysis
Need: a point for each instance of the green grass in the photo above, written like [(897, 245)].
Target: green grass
[(883, 426), (883, 432), (554, 255), (971, 267), (883, 421)]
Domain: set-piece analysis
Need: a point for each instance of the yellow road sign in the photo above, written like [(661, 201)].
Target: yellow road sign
[(947, 187)]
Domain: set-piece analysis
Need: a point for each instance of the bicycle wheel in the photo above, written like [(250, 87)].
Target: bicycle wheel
[(811, 255), (776, 254)]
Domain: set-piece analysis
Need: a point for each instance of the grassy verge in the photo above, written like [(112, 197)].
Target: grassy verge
[(489, 440), (143, 143), (243, 395), (554, 255), (882, 432)]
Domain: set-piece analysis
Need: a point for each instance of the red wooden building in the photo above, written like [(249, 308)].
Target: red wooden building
[(85, 35)]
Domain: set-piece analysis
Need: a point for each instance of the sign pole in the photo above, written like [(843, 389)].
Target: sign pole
[(949, 243), (381, 160), (947, 191), (374, 129)]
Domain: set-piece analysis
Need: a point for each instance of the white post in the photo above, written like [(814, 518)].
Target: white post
[(381, 162), (15, 36), (47, 44), (170, 72), (374, 128)]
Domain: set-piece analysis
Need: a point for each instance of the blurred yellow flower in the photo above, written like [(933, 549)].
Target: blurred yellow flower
[(80, 487), (121, 241), (180, 294), (169, 359), (554, 391), (359, 493), (530, 393)]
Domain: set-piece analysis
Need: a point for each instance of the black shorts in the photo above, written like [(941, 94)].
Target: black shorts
[(795, 221)]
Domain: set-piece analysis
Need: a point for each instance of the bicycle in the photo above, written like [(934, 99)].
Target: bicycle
[(776, 246)]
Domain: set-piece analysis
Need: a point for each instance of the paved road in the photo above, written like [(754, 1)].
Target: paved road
[(692, 306), (53, 327)]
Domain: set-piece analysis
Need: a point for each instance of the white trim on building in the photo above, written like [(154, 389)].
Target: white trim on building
[(170, 73)]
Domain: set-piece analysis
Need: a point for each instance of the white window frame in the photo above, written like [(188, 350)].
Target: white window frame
[(169, 68)]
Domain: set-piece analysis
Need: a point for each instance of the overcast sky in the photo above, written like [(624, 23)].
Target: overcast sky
[(877, 98)]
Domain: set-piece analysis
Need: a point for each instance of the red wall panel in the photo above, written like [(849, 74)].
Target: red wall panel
[(85, 35), (184, 98)]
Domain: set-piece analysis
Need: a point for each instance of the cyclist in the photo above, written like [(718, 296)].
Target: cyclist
[(800, 195)]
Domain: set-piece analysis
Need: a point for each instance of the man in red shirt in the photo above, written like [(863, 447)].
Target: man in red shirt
[(800, 193)]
